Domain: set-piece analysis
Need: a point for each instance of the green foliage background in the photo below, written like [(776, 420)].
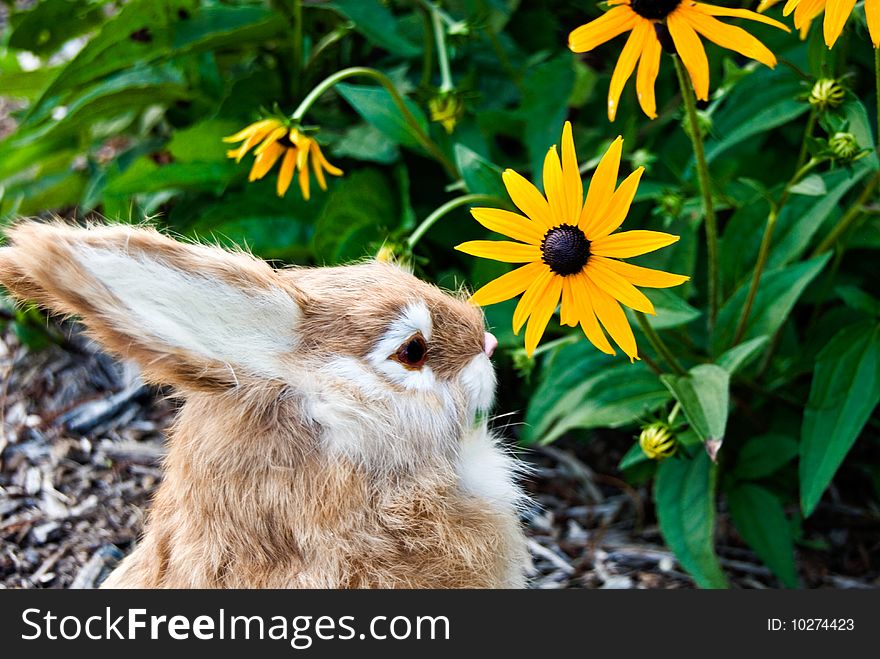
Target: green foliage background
[(121, 107)]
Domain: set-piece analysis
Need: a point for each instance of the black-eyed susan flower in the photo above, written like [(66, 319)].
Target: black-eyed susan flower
[(274, 140), (678, 24), (657, 441), (836, 14), (572, 251)]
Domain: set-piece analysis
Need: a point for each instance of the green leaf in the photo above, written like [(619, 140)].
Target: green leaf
[(684, 492), (845, 390), (546, 88), (218, 26), (615, 396), (366, 142), (50, 24), (377, 107), (764, 455), (635, 455), (480, 176), (202, 142), (26, 84), (672, 310), (760, 519), (378, 24), (777, 294), (811, 186), (146, 176), (758, 103), (741, 355), (802, 217), (360, 211), (857, 299), (704, 394)]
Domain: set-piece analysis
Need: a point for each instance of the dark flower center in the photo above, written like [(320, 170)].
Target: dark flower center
[(565, 249), (654, 9)]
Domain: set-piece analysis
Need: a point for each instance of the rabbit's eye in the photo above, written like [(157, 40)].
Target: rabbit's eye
[(413, 353)]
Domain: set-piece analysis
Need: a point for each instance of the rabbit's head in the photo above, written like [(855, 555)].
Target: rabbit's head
[(383, 368)]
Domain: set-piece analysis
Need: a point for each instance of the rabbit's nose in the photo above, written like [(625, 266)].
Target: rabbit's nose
[(489, 343)]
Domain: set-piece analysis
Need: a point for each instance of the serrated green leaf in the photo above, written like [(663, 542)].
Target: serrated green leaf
[(760, 519), (704, 394), (845, 390), (684, 492)]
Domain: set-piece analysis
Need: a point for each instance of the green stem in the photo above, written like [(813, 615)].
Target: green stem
[(764, 250), (877, 89), (851, 215), (428, 58), (659, 346), (449, 206), (808, 133), (442, 54), (362, 71), (333, 37), (687, 94)]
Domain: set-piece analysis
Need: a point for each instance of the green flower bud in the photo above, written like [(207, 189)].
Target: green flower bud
[(827, 94), (657, 440), (446, 108), (844, 146)]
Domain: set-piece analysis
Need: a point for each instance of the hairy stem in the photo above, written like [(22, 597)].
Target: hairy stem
[(659, 346), (446, 208)]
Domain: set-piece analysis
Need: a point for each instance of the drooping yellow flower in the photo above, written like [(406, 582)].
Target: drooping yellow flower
[(571, 251), (671, 24), (836, 14), (276, 141)]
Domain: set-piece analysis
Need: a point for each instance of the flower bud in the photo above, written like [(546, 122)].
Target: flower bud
[(827, 94), (658, 441), (446, 108), (844, 146)]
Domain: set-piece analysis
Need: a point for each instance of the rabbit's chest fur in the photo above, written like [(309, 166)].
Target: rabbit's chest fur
[(278, 511)]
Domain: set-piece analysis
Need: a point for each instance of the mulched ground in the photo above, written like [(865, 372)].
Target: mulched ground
[(81, 439)]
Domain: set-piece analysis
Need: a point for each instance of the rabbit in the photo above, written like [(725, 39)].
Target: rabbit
[(332, 432)]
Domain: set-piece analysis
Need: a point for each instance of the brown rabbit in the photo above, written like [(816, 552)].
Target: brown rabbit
[(328, 435)]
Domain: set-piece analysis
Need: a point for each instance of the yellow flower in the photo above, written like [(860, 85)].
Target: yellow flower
[(446, 109), (674, 25), (764, 5), (571, 251), (836, 13), (657, 441), (276, 141)]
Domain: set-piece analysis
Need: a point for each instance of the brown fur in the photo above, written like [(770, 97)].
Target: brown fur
[(251, 497)]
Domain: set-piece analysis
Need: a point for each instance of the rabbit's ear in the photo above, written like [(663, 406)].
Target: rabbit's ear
[(193, 316)]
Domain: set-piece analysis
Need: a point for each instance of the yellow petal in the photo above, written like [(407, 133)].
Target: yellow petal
[(512, 225), (568, 313), (728, 36), (872, 13), (501, 250), (602, 186), (626, 63), (571, 177), (715, 10), (508, 285), (613, 215), (264, 125), (528, 199), (836, 13), (631, 243), (316, 167), (806, 11), (249, 143), (639, 276), (542, 313), (649, 67), (553, 187), (587, 316), (690, 49), (613, 319), (285, 174), (609, 25), (618, 287), (333, 170), (302, 165), (531, 297), (271, 138), (264, 162)]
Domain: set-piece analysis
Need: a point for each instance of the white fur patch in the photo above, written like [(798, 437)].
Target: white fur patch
[(415, 319), (204, 316), (487, 472), (478, 379)]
